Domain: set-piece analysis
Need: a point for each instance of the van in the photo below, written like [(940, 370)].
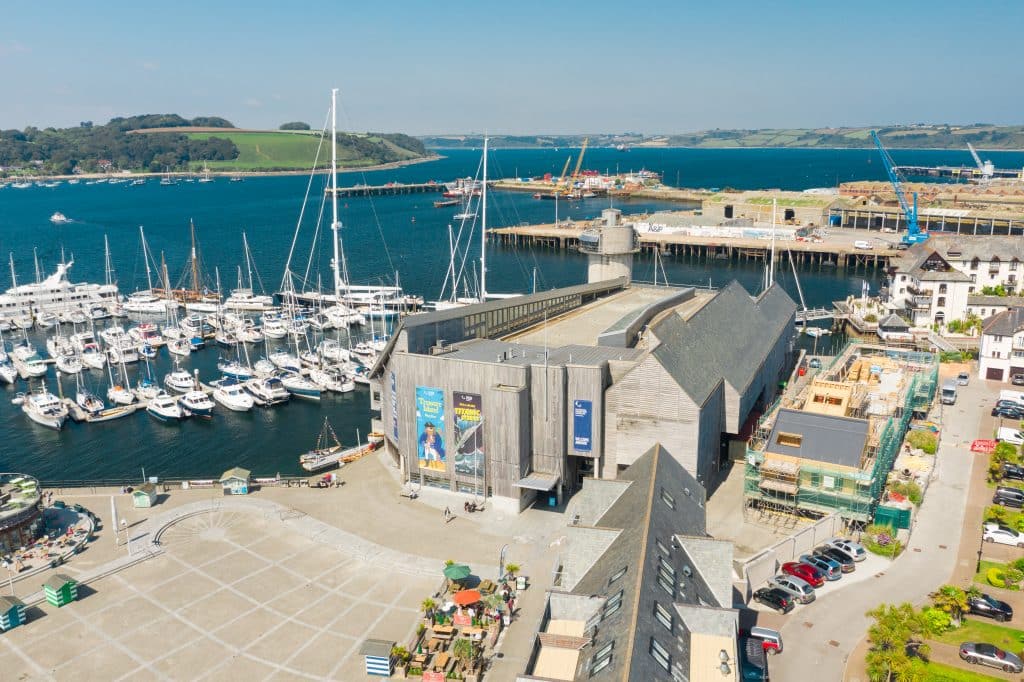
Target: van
[(863, 245), (1012, 396), (1010, 497), (1010, 435), (949, 392)]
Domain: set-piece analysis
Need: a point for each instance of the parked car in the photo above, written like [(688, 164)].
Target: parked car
[(1006, 402), (799, 589), (853, 549), (989, 606), (1003, 535), (832, 570), (809, 574), (753, 660), (1014, 472), (1011, 497), (1017, 380), (771, 639), (963, 378), (1005, 434), (815, 363), (773, 597), (861, 244), (845, 562), (1008, 412), (979, 653)]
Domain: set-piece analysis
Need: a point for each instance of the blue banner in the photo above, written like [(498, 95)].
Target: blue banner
[(394, 407), (430, 427), (581, 425)]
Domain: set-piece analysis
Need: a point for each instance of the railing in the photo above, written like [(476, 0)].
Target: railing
[(196, 482)]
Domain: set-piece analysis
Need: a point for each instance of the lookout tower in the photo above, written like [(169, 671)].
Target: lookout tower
[(609, 247)]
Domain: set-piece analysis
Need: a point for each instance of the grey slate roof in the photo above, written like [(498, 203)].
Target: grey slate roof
[(489, 350), (1006, 323), (982, 247), (825, 438), (693, 352), (893, 321), (995, 301)]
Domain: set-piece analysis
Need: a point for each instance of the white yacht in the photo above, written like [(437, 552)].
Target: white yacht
[(282, 359), (197, 404), (245, 299), (165, 407), (180, 381), (45, 408), (269, 390), (231, 394), (146, 303), (55, 292), (179, 347), (332, 379), (68, 364), (59, 218), (300, 386)]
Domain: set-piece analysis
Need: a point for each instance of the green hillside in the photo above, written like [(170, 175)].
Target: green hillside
[(981, 135)]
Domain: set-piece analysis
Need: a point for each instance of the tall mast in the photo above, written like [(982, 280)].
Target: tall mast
[(163, 270), (14, 277), (483, 231), (195, 257), (248, 259), (145, 258), (771, 264), (334, 193), (35, 257), (106, 261)]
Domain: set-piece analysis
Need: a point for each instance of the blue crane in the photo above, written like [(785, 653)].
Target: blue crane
[(914, 233)]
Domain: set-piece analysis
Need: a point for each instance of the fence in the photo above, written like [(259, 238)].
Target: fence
[(756, 570)]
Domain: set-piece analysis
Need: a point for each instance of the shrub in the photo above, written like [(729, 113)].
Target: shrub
[(923, 440), (935, 621), (1005, 452), (910, 490), (881, 539), (1013, 576), (871, 317), (995, 513), (1018, 564), (994, 576)]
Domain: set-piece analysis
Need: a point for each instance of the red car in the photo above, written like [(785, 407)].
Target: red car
[(806, 573)]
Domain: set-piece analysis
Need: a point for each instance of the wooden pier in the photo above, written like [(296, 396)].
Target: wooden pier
[(390, 189)]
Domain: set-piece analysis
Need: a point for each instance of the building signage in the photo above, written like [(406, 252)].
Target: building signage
[(468, 434), (394, 407), (581, 425), (430, 427)]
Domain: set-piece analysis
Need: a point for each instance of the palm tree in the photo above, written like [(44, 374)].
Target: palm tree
[(428, 605), (952, 600), (512, 569), (891, 635)]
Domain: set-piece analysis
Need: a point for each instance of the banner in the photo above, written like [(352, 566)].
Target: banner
[(430, 427), (581, 425), (394, 407), (469, 434)]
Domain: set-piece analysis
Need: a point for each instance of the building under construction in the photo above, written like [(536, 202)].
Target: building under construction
[(829, 444)]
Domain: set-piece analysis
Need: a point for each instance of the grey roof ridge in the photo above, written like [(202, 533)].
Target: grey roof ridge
[(697, 565)]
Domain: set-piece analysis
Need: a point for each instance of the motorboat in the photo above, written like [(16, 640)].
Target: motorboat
[(52, 293), (274, 327), (180, 381), (68, 364), (126, 355), (147, 332), (269, 390), (197, 404), (196, 343), (59, 345), (231, 394), (179, 347), (331, 379), (320, 322), (282, 359), (23, 321), (245, 299), (47, 320), (234, 369), (146, 303), (77, 317), (98, 312), (45, 408), (165, 408), (264, 367), (299, 386), (147, 351), (343, 316), (92, 356), (332, 351), (115, 336)]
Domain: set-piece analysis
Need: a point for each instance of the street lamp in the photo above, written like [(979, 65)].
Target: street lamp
[(10, 574)]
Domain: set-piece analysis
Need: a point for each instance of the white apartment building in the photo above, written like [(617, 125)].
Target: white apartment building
[(1002, 346)]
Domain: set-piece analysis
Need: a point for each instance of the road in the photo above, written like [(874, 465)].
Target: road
[(824, 634)]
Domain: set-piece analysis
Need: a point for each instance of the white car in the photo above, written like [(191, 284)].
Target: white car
[(1010, 435), (1004, 535), (861, 244), (852, 549), (799, 589)]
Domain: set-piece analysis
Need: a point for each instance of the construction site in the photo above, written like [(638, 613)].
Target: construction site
[(829, 442)]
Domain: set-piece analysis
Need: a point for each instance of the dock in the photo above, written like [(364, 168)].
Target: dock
[(78, 415), (390, 189), (961, 172)]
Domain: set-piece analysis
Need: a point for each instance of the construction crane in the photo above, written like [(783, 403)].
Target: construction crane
[(986, 168), (565, 169), (914, 233), (579, 163)]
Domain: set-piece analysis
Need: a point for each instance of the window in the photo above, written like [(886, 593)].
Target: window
[(819, 398), (661, 546), (661, 655), (941, 302), (942, 288), (832, 400), (601, 658), (974, 264), (666, 576), (974, 278), (663, 616), (667, 498), (618, 574), (791, 440), (613, 604), (1013, 265)]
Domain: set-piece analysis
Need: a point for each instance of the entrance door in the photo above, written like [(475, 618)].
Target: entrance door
[(994, 373)]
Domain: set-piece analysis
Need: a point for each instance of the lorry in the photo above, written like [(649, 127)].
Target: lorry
[(949, 392)]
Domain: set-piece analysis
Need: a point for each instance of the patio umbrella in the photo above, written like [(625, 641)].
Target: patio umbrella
[(456, 572), (466, 597)]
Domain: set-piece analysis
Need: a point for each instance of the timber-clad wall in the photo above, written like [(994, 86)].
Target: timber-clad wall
[(548, 408), (587, 383)]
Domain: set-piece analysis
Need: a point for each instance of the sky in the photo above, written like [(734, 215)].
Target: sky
[(521, 67)]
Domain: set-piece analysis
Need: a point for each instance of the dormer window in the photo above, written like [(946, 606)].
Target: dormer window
[(954, 253), (974, 264)]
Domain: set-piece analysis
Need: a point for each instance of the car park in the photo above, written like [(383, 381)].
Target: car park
[(773, 597), (852, 549), (1010, 497), (846, 563), (963, 378), (990, 607), (1013, 472), (1003, 535), (980, 653), (808, 574), (799, 589), (831, 570)]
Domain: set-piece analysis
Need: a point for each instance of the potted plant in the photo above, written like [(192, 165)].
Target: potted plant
[(511, 570), (428, 605), (402, 657)]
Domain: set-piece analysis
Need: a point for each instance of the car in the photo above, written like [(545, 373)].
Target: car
[(1005, 434), (1010, 497), (832, 570), (1008, 412), (1012, 404), (863, 245), (846, 563), (985, 605), (797, 588), (753, 660), (980, 653), (809, 574), (815, 363), (771, 639), (1003, 535), (780, 600), (854, 550), (1013, 472), (900, 246), (1017, 380), (963, 378)]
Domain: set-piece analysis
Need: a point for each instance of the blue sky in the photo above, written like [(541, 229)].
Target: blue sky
[(519, 67)]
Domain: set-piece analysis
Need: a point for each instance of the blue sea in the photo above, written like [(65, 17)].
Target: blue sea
[(382, 236)]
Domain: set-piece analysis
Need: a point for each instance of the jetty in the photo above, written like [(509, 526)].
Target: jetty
[(391, 188)]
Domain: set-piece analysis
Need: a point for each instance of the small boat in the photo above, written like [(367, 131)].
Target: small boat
[(815, 332), (274, 327), (268, 390), (98, 312), (138, 181), (465, 215), (234, 369), (77, 317), (59, 218), (197, 404), (282, 359), (45, 408), (92, 356), (300, 386), (326, 453), (165, 408), (331, 379), (23, 321), (89, 401), (180, 381), (264, 368), (68, 364), (8, 374), (225, 339), (443, 203), (120, 395), (47, 320), (179, 347), (231, 394), (196, 343), (147, 351)]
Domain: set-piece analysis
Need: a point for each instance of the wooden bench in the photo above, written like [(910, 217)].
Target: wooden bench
[(441, 661)]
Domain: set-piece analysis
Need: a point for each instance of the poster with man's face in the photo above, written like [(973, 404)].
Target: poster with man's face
[(430, 447)]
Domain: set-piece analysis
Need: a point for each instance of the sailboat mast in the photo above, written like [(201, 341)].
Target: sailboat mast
[(145, 258), (771, 264), (35, 257), (248, 259), (334, 192), (14, 277), (106, 261), (195, 258), (483, 230)]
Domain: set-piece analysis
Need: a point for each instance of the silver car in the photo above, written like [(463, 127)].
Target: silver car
[(992, 656), (799, 589), (852, 549), (831, 569)]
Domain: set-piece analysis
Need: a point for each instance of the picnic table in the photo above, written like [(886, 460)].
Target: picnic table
[(487, 587), (444, 632), (419, 659), (441, 661), (475, 634)]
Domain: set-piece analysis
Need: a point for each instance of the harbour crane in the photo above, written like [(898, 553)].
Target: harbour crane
[(914, 235), (565, 169), (579, 162), (986, 168)]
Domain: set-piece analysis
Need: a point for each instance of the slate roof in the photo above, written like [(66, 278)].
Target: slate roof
[(982, 247), (235, 472), (996, 301), (1006, 323), (824, 438), (488, 350), (694, 353), (893, 321)]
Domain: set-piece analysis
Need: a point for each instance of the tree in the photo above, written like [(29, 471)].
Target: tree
[(428, 605), (512, 569), (896, 651), (294, 125), (464, 651), (952, 600)]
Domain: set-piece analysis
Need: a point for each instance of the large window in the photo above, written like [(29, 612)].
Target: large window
[(666, 576), (667, 498), (791, 440), (601, 658), (663, 616), (661, 655), (613, 604)]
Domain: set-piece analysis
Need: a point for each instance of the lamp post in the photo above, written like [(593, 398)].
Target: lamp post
[(10, 574)]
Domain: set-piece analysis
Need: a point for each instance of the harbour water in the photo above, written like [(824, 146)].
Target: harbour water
[(381, 235)]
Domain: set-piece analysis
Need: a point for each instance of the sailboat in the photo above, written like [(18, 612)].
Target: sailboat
[(326, 453), (245, 298), (206, 175), (86, 399), (119, 393), (149, 301)]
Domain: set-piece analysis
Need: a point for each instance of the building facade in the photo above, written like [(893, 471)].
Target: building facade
[(1001, 354)]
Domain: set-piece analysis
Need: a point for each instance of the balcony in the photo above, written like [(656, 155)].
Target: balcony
[(920, 302)]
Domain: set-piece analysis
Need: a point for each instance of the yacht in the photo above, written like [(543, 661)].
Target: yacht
[(55, 292), (47, 320), (180, 381), (196, 403), (343, 316), (59, 218), (147, 333), (146, 303), (8, 374), (165, 407), (92, 356), (299, 386), (126, 355), (231, 394), (274, 327), (86, 399), (332, 351), (68, 364), (45, 408), (234, 369), (245, 299), (282, 359), (268, 390), (332, 379), (179, 347)]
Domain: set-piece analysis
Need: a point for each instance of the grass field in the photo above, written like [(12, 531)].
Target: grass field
[(984, 631), (286, 151), (945, 673)]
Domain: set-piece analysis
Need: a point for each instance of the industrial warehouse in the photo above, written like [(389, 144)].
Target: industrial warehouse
[(519, 399)]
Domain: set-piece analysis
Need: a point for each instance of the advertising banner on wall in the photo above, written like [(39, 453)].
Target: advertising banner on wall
[(394, 407), (430, 427), (469, 434), (581, 425)]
